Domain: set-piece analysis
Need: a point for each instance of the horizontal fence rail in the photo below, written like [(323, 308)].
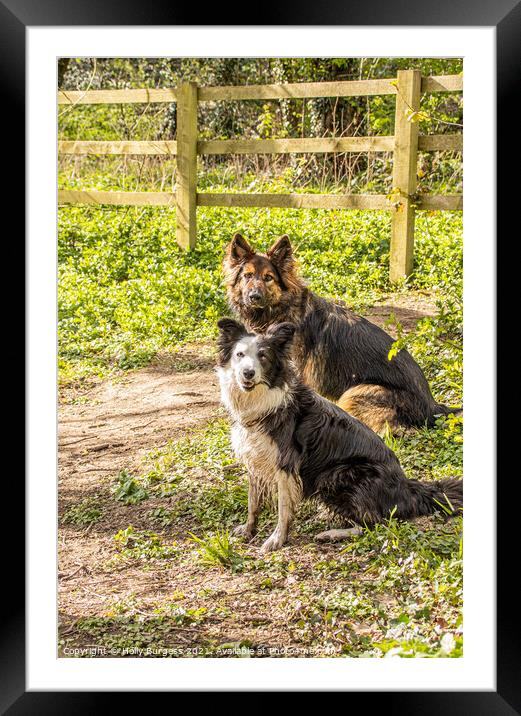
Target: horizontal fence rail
[(427, 143), (298, 90), (403, 202), (377, 202), (94, 147)]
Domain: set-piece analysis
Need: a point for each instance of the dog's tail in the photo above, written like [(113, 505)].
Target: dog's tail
[(416, 498), (370, 498)]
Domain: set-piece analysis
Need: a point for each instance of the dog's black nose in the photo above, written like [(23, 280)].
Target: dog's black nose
[(248, 373), (255, 296)]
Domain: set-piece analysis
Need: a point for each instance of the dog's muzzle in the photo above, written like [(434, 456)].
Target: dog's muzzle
[(247, 379), (256, 299)]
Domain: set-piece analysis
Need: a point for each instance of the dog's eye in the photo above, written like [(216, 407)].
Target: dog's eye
[(239, 354), (268, 278), (247, 275), (262, 356)]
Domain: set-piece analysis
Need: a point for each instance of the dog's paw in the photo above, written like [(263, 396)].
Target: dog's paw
[(274, 542), (243, 531), (337, 535)]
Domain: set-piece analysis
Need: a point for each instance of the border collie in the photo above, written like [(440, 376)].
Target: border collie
[(297, 445), (342, 356)]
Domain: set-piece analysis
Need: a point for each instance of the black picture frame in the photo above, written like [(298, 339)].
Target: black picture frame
[(505, 15)]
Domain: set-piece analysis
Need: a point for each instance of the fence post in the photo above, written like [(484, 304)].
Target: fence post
[(404, 173), (186, 192)]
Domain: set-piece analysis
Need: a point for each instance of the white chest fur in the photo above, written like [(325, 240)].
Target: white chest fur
[(247, 406), (255, 449), (259, 453)]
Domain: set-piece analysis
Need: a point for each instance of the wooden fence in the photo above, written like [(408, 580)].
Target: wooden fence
[(405, 144)]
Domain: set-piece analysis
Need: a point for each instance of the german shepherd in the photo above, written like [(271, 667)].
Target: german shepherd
[(342, 356), (299, 445)]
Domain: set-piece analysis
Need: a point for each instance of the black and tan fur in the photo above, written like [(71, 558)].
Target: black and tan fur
[(300, 445), (341, 355)]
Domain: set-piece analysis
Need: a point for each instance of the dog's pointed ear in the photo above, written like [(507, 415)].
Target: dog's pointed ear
[(281, 334), (281, 256), (229, 333), (231, 328), (281, 252), (239, 250)]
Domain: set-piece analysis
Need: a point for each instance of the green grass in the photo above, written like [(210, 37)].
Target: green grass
[(219, 500), (131, 635), (85, 513), (143, 544), (126, 290), (432, 453)]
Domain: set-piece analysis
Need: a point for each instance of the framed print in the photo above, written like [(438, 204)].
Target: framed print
[(140, 183)]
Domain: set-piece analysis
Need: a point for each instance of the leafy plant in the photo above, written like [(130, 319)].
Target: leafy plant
[(218, 550), (128, 490), (162, 516), (87, 512), (146, 545)]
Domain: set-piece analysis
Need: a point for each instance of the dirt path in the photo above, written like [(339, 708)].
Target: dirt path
[(108, 426), (116, 420)]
